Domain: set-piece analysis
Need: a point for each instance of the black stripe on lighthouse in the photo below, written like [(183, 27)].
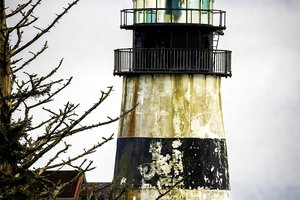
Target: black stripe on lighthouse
[(161, 162)]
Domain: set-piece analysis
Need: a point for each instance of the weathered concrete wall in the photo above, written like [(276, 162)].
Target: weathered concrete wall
[(174, 138), (181, 194), (172, 106)]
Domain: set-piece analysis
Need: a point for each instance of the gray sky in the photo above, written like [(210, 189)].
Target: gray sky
[(261, 104)]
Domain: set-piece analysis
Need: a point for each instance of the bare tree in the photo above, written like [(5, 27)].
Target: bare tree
[(19, 151)]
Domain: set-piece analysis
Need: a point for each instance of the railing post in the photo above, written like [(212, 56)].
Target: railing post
[(156, 14), (130, 59), (226, 62), (115, 60), (221, 18), (124, 56), (134, 17), (229, 62), (208, 17), (199, 11), (118, 61), (125, 18), (224, 18), (121, 16), (186, 16)]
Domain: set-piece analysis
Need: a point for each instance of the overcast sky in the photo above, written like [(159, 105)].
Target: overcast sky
[(261, 102)]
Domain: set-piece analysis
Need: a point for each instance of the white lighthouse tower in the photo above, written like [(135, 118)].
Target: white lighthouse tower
[(173, 144)]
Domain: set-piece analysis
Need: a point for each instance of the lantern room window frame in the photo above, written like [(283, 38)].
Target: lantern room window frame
[(159, 3), (147, 12)]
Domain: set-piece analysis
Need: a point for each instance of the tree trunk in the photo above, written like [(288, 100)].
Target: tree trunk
[(5, 87), (5, 78)]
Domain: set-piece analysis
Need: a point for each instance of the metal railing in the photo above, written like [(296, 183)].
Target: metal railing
[(146, 16), (172, 61)]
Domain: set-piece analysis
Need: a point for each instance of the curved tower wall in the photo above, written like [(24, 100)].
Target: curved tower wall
[(175, 136)]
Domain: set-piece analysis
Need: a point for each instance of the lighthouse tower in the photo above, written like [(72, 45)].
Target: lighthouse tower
[(172, 145)]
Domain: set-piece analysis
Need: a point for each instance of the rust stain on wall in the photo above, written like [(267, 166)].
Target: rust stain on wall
[(134, 103)]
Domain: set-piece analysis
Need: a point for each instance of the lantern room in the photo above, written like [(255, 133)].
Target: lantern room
[(173, 36)]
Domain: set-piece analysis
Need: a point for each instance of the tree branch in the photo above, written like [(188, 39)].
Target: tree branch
[(86, 152), (19, 9), (167, 191), (44, 31)]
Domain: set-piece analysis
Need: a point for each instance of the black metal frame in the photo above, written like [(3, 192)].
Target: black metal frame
[(172, 61), (187, 3), (216, 18), (169, 57)]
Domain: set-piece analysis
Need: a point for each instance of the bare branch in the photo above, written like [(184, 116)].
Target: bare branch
[(111, 120), (52, 138), (35, 55), (58, 187), (104, 95), (19, 39), (35, 89), (24, 21), (13, 62), (86, 152), (19, 9), (167, 191), (123, 189), (67, 146), (44, 31)]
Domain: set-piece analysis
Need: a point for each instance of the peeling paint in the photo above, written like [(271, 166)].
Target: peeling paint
[(123, 181), (164, 162), (175, 135), (164, 166)]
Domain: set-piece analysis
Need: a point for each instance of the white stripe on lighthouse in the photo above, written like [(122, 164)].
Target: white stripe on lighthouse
[(172, 106), (180, 194)]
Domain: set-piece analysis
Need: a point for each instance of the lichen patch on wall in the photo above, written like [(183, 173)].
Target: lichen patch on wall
[(164, 166)]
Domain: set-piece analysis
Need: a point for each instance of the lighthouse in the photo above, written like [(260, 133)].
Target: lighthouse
[(172, 145)]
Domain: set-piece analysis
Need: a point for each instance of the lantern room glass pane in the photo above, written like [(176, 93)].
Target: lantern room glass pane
[(206, 15), (150, 3), (138, 14), (146, 11), (139, 4), (173, 11), (205, 4), (193, 13), (161, 5), (194, 4)]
